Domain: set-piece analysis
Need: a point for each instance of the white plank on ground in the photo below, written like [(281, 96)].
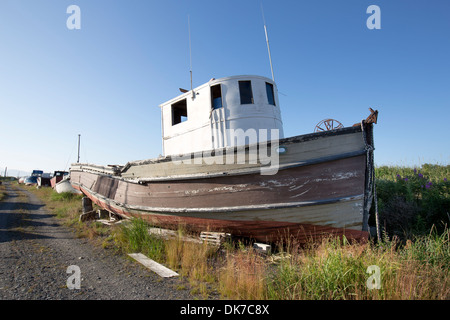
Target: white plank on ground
[(153, 265)]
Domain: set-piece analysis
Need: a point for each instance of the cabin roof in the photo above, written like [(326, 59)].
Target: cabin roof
[(212, 82)]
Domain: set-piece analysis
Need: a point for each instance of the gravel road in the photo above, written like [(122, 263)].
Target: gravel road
[(36, 250)]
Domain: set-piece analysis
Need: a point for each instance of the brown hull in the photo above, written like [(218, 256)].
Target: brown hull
[(291, 187), (264, 231), (323, 186)]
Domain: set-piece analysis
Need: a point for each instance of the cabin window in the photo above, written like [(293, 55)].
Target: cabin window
[(245, 91), (179, 112), (216, 97), (270, 94)]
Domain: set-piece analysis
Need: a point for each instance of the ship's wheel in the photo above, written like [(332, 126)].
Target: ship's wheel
[(327, 125)]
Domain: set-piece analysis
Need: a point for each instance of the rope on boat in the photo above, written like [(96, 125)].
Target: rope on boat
[(370, 147)]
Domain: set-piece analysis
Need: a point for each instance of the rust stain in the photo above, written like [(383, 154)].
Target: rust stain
[(265, 231)]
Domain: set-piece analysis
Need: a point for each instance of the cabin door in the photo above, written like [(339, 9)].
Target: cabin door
[(218, 123), (218, 129)]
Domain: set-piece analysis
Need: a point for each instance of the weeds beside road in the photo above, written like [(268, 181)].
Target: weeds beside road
[(36, 251)]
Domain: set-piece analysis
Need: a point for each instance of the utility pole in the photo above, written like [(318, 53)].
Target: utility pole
[(78, 160)]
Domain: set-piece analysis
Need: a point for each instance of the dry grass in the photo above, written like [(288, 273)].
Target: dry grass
[(337, 270), (243, 275)]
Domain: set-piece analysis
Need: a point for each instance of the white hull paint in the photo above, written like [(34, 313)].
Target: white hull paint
[(65, 186)]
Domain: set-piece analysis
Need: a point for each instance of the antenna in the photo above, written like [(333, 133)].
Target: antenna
[(267, 41), (190, 55)]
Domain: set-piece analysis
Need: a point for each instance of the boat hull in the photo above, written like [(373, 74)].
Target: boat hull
[(251, 225), (55, 180), (320, 188), (65, 186)]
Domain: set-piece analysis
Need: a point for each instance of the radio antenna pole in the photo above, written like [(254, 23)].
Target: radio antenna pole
[(267, 41), (190, 56)]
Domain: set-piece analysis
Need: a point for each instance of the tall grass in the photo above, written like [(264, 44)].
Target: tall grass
[(325, 271), (136, 238), (243, 275), (336, 269)]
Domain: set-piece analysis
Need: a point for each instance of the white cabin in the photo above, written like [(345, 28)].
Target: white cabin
[(203, 118)]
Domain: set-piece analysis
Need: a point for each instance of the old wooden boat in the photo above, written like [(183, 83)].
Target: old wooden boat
[(222, 171), (57, 177), (44, 180)]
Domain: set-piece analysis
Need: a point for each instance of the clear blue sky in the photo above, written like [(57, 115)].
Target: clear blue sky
[(106, 80)]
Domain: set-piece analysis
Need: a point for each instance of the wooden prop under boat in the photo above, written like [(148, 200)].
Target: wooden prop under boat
[(322, 184)]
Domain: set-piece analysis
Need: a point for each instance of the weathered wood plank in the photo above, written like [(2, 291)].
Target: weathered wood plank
[(153, 265), (296, 154)]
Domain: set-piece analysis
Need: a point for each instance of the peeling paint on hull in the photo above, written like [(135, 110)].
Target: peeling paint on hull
[(308, 197), (254, 228)]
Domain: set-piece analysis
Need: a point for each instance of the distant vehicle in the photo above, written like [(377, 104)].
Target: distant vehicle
[(37, 173), (30, 181)]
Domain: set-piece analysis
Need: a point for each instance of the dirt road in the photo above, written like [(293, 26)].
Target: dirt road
[(36, 251)]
